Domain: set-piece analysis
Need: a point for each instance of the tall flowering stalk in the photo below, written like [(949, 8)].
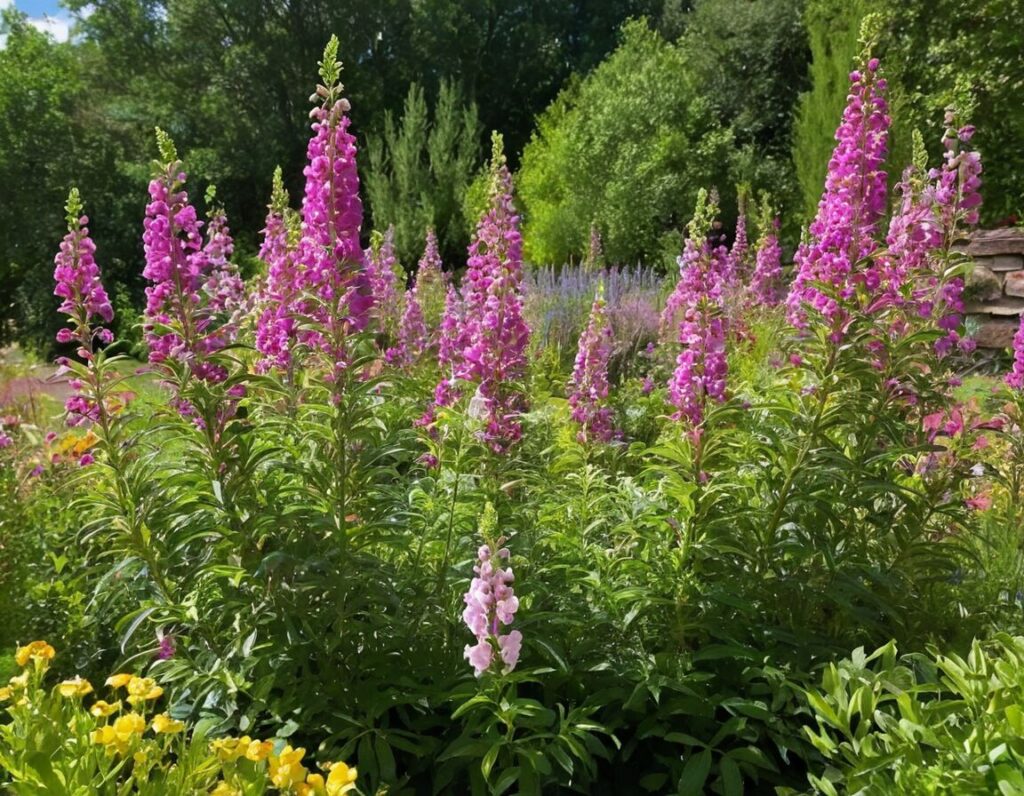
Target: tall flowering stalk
[(276, 327), (183, 302), (83, 298), (936, 207), (491, 605), (381, 264), (841, 236), (767, 275), (697, 303), (588, 398), (740, 250), (431, 283), (492, 334), (336, 299), (1015, 378), (413, 336)]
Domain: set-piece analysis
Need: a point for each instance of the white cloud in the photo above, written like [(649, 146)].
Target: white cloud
[(58, 27), (5, 4)]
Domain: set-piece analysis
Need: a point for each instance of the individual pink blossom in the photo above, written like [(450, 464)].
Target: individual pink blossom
[(491, 606), (588, 398), (829, 271)]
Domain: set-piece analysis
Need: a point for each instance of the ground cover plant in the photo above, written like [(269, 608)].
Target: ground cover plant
[(507, 529)]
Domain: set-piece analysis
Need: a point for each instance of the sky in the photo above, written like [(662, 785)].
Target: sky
[(46, 15)]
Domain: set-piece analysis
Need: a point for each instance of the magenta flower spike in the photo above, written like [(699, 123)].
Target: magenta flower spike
[(696, 308), (853, 203), (588, 398), (83, 299)]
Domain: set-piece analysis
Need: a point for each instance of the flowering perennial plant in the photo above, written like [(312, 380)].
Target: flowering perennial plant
[(594, 259), (492, 335), (849, 211), (331, 295), (381, 275), (739, 252), (191, 283), (78, 285), (696, 310), (124, 745), (767, 275), (491, 606), (275, 328), (1015, 378), (589, 383)]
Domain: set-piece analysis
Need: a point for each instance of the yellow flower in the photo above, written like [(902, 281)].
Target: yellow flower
[(143, 689), (102, 708), (286, 769), (120, 735), (119, 680), (162, 723), (75, 687), (19, 682), (341, 779), (36, 651), (5, 694), (223, 789), (228, 750), (259, 750)]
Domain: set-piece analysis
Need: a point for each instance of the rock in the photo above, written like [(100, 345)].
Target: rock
[(1002, 307), (1013, 284), (1007, 262), (990, 242), (993, 333), (983, 284)]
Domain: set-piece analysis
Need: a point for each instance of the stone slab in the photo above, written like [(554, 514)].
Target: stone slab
[(1013, 284), (990, 242), (994, 333), (1007, 262), (1003, 307), (983, 284)]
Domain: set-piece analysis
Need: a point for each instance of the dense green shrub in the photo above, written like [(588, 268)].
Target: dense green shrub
[(935, 723)]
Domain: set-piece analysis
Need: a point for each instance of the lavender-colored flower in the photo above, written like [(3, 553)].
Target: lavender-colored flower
[(849, 211), (589, 383), (413, 337), (491, 606)]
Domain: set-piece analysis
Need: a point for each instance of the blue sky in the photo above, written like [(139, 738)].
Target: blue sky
[(47, 15), (36, 8)]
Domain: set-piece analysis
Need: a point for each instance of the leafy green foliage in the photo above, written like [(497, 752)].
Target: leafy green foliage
[(935, 723)]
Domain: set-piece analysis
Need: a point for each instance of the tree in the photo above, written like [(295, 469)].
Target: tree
[(417, 171)]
